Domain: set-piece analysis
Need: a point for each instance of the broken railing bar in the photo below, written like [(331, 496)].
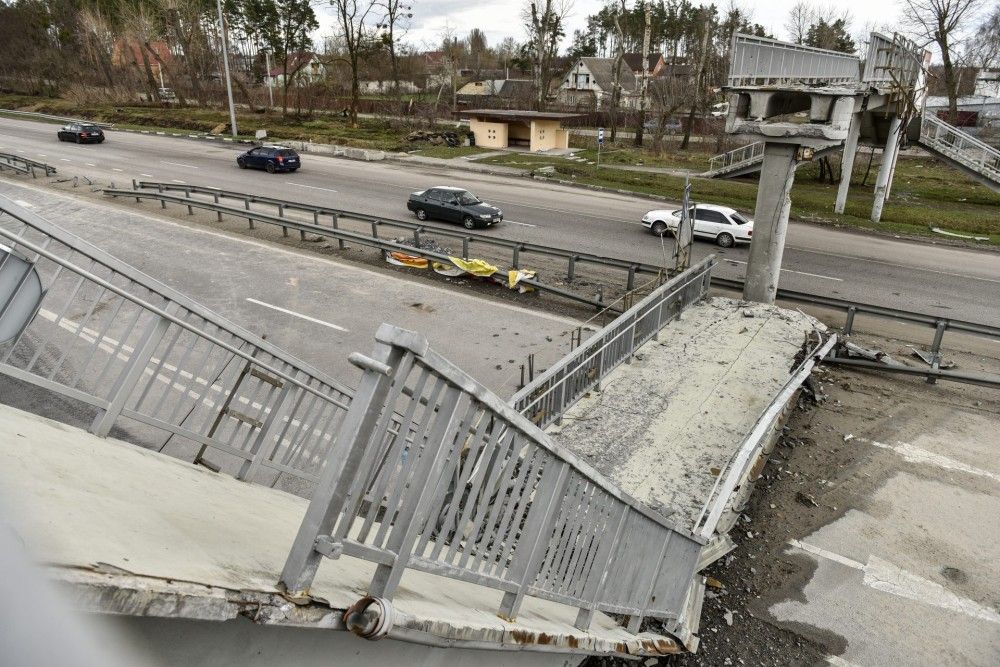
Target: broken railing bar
[(382, 244), (955, 376), (466, 237)]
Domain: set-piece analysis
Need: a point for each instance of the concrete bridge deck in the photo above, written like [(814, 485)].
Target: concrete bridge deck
[(142, 534), (665, 426)]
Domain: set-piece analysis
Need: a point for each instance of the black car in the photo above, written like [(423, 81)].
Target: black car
[(453, 205), (82, 133), (270, 159)]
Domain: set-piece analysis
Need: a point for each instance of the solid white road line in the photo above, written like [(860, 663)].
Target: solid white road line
[(176, 181), (65, 159), (294, 314), (21, 202), (913, 454), (311, 187), (801, 273), (90, 164), (146, 175), (178, 164), (115, 169), (523, 224)]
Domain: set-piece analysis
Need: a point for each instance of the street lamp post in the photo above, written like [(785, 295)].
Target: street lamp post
[(225, 65)]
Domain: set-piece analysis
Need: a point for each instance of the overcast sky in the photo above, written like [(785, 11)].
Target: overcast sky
[(501, 18)]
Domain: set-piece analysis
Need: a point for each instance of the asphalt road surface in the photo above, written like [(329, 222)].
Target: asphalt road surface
[(938, 280)]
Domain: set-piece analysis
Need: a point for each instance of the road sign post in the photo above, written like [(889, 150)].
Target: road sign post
[(600, 142)]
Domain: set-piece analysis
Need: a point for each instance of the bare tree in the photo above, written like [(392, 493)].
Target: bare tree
[(800, 17), (942, 22), (394, 24), (544, 19), (644, 86), (357, 32)]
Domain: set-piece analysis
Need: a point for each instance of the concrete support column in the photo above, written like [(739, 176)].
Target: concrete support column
[(886, 168), (847, 163), (777, 173)]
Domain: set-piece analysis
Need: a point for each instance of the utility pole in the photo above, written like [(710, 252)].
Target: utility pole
[(225, 65), (270, 89), (644, 91)]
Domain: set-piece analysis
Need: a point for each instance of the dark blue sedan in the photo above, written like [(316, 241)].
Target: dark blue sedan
[(269, 158)]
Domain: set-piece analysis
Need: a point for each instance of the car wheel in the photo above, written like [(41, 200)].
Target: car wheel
[(468, 222), (242, 164), (725, 240), (421, 214), (61, 137), (270, 167), (659, 228)]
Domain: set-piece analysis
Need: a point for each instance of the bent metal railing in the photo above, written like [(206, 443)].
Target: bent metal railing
[(24, 165), (960, 146), (478, 493), (134, 349), (547, 397)]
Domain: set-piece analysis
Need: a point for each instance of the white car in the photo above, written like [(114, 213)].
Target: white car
[(724, 225)]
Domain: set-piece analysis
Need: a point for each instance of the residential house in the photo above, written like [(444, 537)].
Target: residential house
[(304, 67), (590, 81)]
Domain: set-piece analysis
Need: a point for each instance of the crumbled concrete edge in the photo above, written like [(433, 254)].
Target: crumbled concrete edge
[(109, 590)]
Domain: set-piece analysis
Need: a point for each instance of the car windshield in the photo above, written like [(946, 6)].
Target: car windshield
[(739, 219), (468, 199)]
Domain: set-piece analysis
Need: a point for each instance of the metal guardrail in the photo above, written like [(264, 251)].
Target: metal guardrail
[(960, 146), (132, 348), (851, 309), (480, 494), (24, 165), (373, 239), (46, 116), (758, 61), (468, 239), (545, 399), (736, 158)]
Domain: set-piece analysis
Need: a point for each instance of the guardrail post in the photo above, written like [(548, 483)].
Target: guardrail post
[(130, 376), (465, 247), (515, 262), (630, 284), (159, 188), (336, 225), (535, 535), (571, 269), (416, 236), (218, 214), (281, 214), (942, 325), (849, 323), (375, 229), (302, 234), (246, 205)]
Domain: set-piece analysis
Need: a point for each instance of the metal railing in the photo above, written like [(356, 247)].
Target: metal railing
[(960, 146), (478, 493), (892, 63), (112, 338), (547, 397), (736, 158), (417, 229), (758, 61), (24, 165)]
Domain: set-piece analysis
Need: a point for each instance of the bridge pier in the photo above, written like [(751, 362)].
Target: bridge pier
[(885, 170), (847, 162), (777, 174)]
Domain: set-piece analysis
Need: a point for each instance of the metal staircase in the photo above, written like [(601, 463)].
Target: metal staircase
[(976, 158), (747, 160)]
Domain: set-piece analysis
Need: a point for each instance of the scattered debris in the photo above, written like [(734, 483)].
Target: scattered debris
[(806, 499), (854, 350), (928, 358), (728, 616)]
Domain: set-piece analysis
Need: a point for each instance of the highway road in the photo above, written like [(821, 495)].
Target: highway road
[(939, 280)]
